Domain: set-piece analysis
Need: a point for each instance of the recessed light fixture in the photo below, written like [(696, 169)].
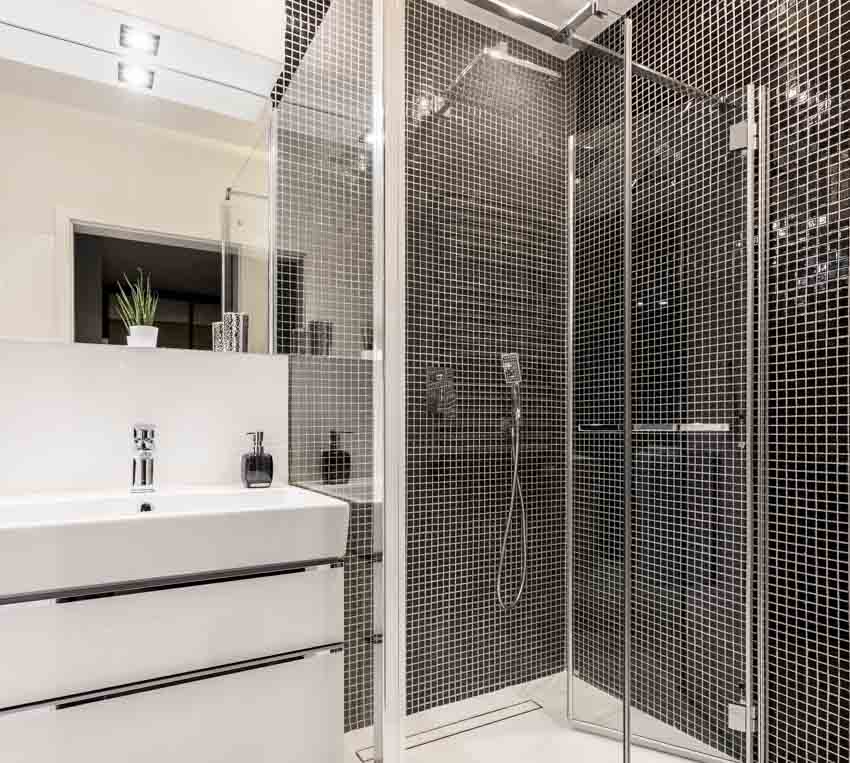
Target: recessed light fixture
[(139, 39), (135, 75)]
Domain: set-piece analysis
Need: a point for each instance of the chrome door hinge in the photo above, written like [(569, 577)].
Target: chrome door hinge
[(738, 717), (739, 136)]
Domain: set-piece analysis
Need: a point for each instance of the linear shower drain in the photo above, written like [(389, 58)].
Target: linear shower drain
[(462, 726)]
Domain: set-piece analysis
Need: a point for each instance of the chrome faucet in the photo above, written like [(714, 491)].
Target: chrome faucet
[(143, 450)]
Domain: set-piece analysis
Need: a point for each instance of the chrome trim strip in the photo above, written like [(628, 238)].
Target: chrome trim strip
[(570, 353), (763, 349), (379, 653), (393, 583), (274, 196), (627, 392), (749, 602)]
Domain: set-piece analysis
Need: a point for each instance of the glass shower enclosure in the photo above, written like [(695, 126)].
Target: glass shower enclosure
[(664, 188)]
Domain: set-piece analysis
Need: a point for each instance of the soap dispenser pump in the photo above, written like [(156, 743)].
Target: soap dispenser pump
[(336, 463), (257, 466)]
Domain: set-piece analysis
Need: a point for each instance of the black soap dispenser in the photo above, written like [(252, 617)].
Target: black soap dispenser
[(336, 463), (257, 466)]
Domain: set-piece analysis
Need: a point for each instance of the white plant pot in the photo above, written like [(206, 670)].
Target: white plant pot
[(142, 336)]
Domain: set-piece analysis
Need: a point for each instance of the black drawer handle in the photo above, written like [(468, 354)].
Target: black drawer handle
[(129, 587), (176, 679)]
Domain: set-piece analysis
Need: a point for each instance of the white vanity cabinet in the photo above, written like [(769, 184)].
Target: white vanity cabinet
[(286, 712), (242, 664)]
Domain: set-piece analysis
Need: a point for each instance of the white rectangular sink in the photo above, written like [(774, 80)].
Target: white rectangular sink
[(49, 543)]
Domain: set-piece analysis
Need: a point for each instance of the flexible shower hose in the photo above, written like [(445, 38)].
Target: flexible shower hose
[(517, 501)]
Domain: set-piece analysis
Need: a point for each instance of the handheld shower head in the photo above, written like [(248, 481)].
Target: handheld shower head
[(513, 378), (510, 365)]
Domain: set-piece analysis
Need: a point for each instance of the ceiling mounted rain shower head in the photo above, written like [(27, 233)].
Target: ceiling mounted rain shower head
[(495, 80), (500, 53)]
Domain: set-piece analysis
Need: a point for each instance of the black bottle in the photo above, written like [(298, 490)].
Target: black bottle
[(257, 466), (336, 463)]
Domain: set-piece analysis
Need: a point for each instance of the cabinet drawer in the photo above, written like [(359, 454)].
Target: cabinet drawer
[(55, 649), (291, 711)]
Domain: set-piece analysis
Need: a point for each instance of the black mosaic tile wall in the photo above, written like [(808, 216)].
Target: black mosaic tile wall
[(486, 268), (799, 50), (329, 394), (359, 619)]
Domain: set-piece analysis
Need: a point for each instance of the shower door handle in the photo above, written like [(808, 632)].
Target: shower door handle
[(697, 427)]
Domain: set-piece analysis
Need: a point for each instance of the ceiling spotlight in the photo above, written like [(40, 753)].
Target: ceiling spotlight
[(135, 75), (138, 39)]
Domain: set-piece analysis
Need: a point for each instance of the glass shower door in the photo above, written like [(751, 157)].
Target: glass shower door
[(692, 303), (661, 413), (595, 348)]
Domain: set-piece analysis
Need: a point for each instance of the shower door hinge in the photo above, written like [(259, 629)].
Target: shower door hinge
[(738, 717), (376, 638), (739, 136)]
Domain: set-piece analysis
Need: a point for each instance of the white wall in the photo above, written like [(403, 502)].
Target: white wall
[(68, 410), (102, 169)]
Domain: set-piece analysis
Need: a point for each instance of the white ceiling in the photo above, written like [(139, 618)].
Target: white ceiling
[(251, 25), (554, 12), (79, 39)]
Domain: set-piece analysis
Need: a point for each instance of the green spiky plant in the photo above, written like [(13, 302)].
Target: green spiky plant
[(137, 308)]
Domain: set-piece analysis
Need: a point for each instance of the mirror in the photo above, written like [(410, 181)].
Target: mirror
[(131, 151)]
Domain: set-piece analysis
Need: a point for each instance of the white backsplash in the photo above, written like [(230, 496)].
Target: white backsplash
[(67, 412)]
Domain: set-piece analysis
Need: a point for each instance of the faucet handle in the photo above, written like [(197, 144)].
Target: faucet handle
[(144, 436)]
